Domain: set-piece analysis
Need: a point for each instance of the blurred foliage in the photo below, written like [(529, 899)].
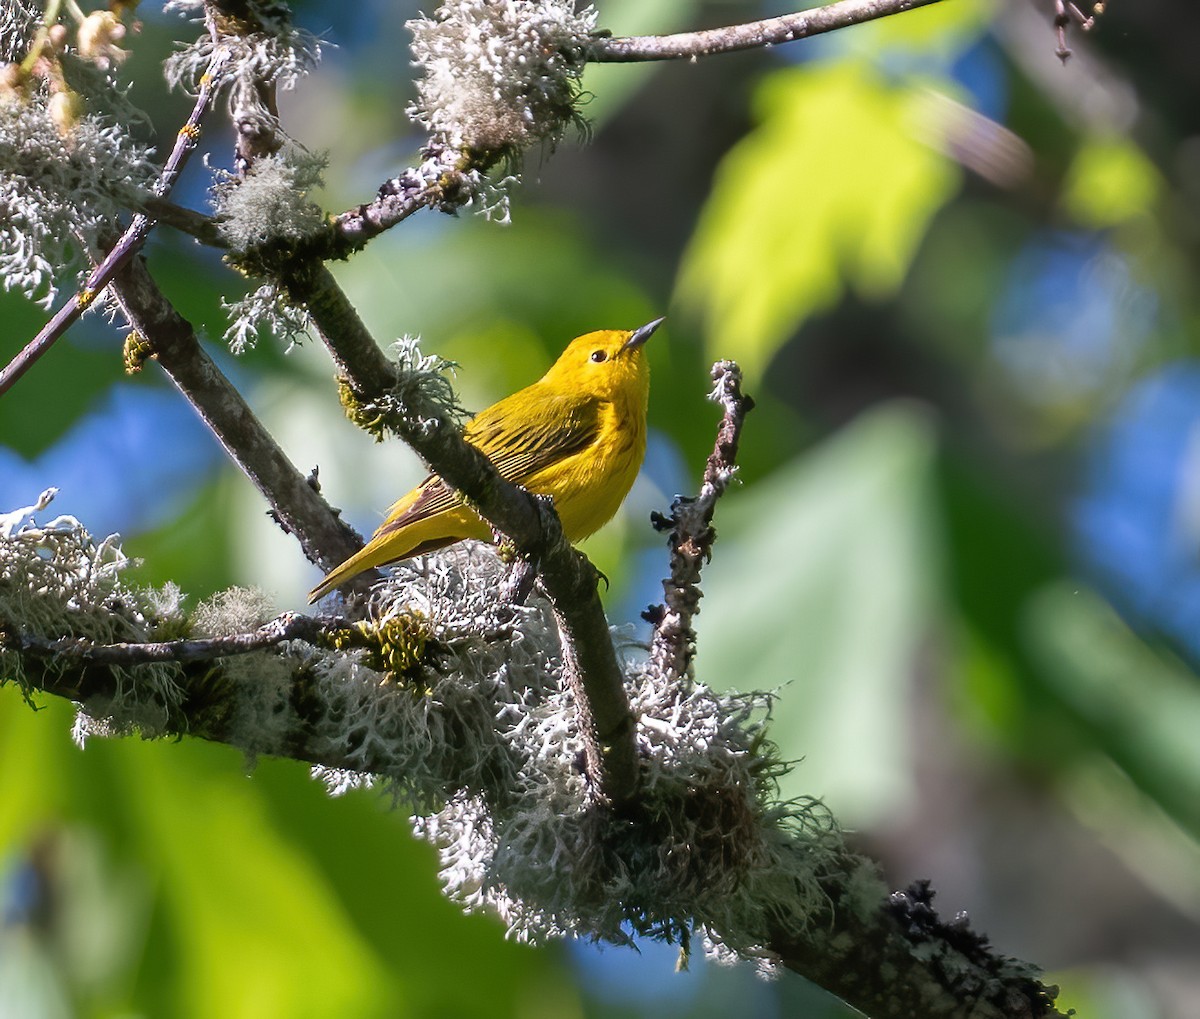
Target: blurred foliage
[(825, 133), (845, 621), (168, 880), (961, 279)]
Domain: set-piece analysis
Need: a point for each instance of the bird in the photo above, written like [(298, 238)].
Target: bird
[(577, 434)]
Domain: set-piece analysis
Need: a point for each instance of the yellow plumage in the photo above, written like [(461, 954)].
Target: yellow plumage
[(578, 434)]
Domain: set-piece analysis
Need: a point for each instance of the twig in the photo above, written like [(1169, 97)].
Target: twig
[(131, 240), (673, 645), (768, 32), (289, 626), (568, 578), (446, 180), (197, 225), (298, 507), (1064, 13)]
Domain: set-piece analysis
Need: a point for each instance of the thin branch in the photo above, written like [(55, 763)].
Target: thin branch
[(754, 34), (673, 645), (131, 240), (289, 626), (197, 225), (446, 180), (1064, 13), (567, 577), (295, 503)]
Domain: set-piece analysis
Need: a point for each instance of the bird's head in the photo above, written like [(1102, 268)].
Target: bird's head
[(607, 363)]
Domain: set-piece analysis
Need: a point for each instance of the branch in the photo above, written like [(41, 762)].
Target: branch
[(795, 893), (211, 707), (446, 180), (568, 578), (131, 240), (868, 947), (673, 645), (1064, 13), (197, 225), (81, 650), (769, 32), (295, 503)]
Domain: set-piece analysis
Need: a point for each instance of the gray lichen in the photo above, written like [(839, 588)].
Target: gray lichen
[(499, 75), (263, 50), (466, 722), (65, 179), (57, 581)]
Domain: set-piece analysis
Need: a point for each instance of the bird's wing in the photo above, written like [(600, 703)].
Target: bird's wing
[(547, 429)]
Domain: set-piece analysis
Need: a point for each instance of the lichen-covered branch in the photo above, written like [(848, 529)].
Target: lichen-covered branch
[(691, 539), (867, 950), (456, 702), (170, 339), (445, 180), (83, 652), (569, 579), (751, 35)]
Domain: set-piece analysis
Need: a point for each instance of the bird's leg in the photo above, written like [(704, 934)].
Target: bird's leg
[(518, 585)]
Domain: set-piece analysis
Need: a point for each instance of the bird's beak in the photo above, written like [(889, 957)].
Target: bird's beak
[(640, 336)]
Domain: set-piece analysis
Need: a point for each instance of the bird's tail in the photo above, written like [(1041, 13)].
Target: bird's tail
[(381, 550), (369, 556)]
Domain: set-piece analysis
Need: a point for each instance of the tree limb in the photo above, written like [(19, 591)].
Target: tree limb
[(289, 626), (960, 977), (752, 35), (890, 956)]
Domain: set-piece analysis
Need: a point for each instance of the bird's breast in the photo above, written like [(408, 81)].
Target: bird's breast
[(589, 487)]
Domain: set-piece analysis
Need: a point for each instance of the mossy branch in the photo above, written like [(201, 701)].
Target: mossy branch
[(765, 880), (568, 578)]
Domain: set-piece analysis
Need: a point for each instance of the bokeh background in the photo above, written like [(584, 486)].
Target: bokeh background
[(961, 279)]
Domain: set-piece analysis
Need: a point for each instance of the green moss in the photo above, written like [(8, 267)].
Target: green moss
[(396, 646)]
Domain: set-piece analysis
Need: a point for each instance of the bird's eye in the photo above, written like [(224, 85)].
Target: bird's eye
[(599, 355)]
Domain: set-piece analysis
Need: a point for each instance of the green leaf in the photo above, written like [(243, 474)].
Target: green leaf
[(1110, 181), (832, 190), (1143, 707), (821, 584)]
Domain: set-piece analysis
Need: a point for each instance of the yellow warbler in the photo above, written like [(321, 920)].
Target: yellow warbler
[(577, 434)]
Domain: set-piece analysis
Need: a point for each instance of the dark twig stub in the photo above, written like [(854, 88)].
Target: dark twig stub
[(673, 645), (1066, 12)]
